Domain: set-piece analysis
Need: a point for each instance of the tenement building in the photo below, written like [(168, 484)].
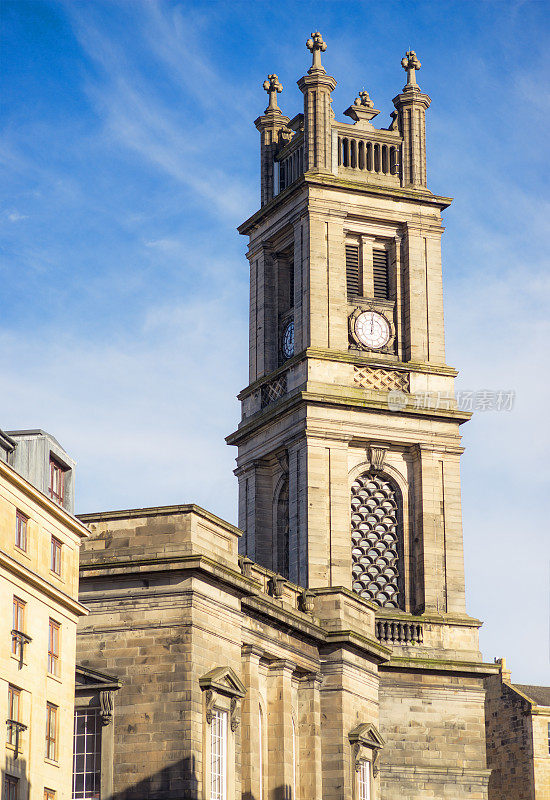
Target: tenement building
[(39, 557), (322, 649)]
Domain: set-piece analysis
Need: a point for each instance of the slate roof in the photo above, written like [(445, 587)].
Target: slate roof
[(540, 694)]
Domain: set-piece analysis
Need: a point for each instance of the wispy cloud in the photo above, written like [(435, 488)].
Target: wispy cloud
[(124, 320), (194, 149)]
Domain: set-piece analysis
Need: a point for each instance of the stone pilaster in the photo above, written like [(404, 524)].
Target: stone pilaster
[(252, 763), (309, 728), (280, 732)]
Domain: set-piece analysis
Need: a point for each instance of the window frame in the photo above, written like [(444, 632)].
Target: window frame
[(219, 755), (10, 782), (49, 794), (93, 754), (21, 530), (14, 705), (56, 549), (54, 655), (52, 741), (57, 481), (364, 781), (18, 620)]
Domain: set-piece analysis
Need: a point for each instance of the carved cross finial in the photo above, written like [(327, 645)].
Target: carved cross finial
[(317, 46), (272, 86), (363, 99), (410, 63)]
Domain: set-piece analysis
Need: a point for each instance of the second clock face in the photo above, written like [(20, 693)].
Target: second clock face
[(372, 329), (288, 340)]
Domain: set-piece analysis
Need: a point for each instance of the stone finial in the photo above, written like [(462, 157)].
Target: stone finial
[(363, 99), (272, 86), (410, 63), (362, 110), (317, 46)]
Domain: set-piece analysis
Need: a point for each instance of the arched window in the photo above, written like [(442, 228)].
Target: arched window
[(283, 538), (377, 540)]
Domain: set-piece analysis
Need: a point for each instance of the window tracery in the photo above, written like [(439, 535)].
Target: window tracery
[(376, 539)]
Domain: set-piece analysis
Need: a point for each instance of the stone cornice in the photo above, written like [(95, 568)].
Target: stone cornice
[(405, 663), (160, 511), (329, 398), (418, 196), (37, 582), (348, 357), (62, 516)]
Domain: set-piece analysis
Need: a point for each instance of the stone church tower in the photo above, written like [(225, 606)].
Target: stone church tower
[(349, 444), (321, 650)]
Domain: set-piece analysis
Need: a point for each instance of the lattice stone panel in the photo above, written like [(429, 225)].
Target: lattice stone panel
[(385, 380), (273, 391), (375, 539)]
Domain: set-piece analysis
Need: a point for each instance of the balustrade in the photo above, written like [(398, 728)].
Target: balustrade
[(398, 632), (365, 155)]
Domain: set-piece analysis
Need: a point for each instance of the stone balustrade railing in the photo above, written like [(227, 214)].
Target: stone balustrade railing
[(399, 632), (369, 156)]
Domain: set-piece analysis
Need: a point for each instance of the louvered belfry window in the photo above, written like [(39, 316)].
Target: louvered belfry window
[(380, 274), (352, 268)]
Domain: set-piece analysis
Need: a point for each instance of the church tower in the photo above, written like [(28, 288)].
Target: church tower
[(349, 445)]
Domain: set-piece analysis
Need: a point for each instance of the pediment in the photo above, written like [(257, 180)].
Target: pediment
[(223, 680), (91, 678), (368, 735)]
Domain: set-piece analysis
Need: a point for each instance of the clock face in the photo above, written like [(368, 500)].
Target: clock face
[(288, 340), (372, 329)]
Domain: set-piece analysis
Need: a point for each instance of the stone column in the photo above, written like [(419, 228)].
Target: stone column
[(279, 731), (411, 108), (316, 87), (273, 133)]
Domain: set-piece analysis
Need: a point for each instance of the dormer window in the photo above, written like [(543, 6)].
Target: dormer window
[(57, 481)]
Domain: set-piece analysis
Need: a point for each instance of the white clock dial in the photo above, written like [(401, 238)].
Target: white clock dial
[(372, 329), (288, 340)]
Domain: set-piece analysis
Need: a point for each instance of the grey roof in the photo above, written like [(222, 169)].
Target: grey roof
[(539, 694), (6, 441), (32, 433)]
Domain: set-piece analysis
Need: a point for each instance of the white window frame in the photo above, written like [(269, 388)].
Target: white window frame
[(364, 780), (218, 754)]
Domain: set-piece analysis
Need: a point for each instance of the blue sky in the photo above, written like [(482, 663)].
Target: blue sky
[(129, 157)]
